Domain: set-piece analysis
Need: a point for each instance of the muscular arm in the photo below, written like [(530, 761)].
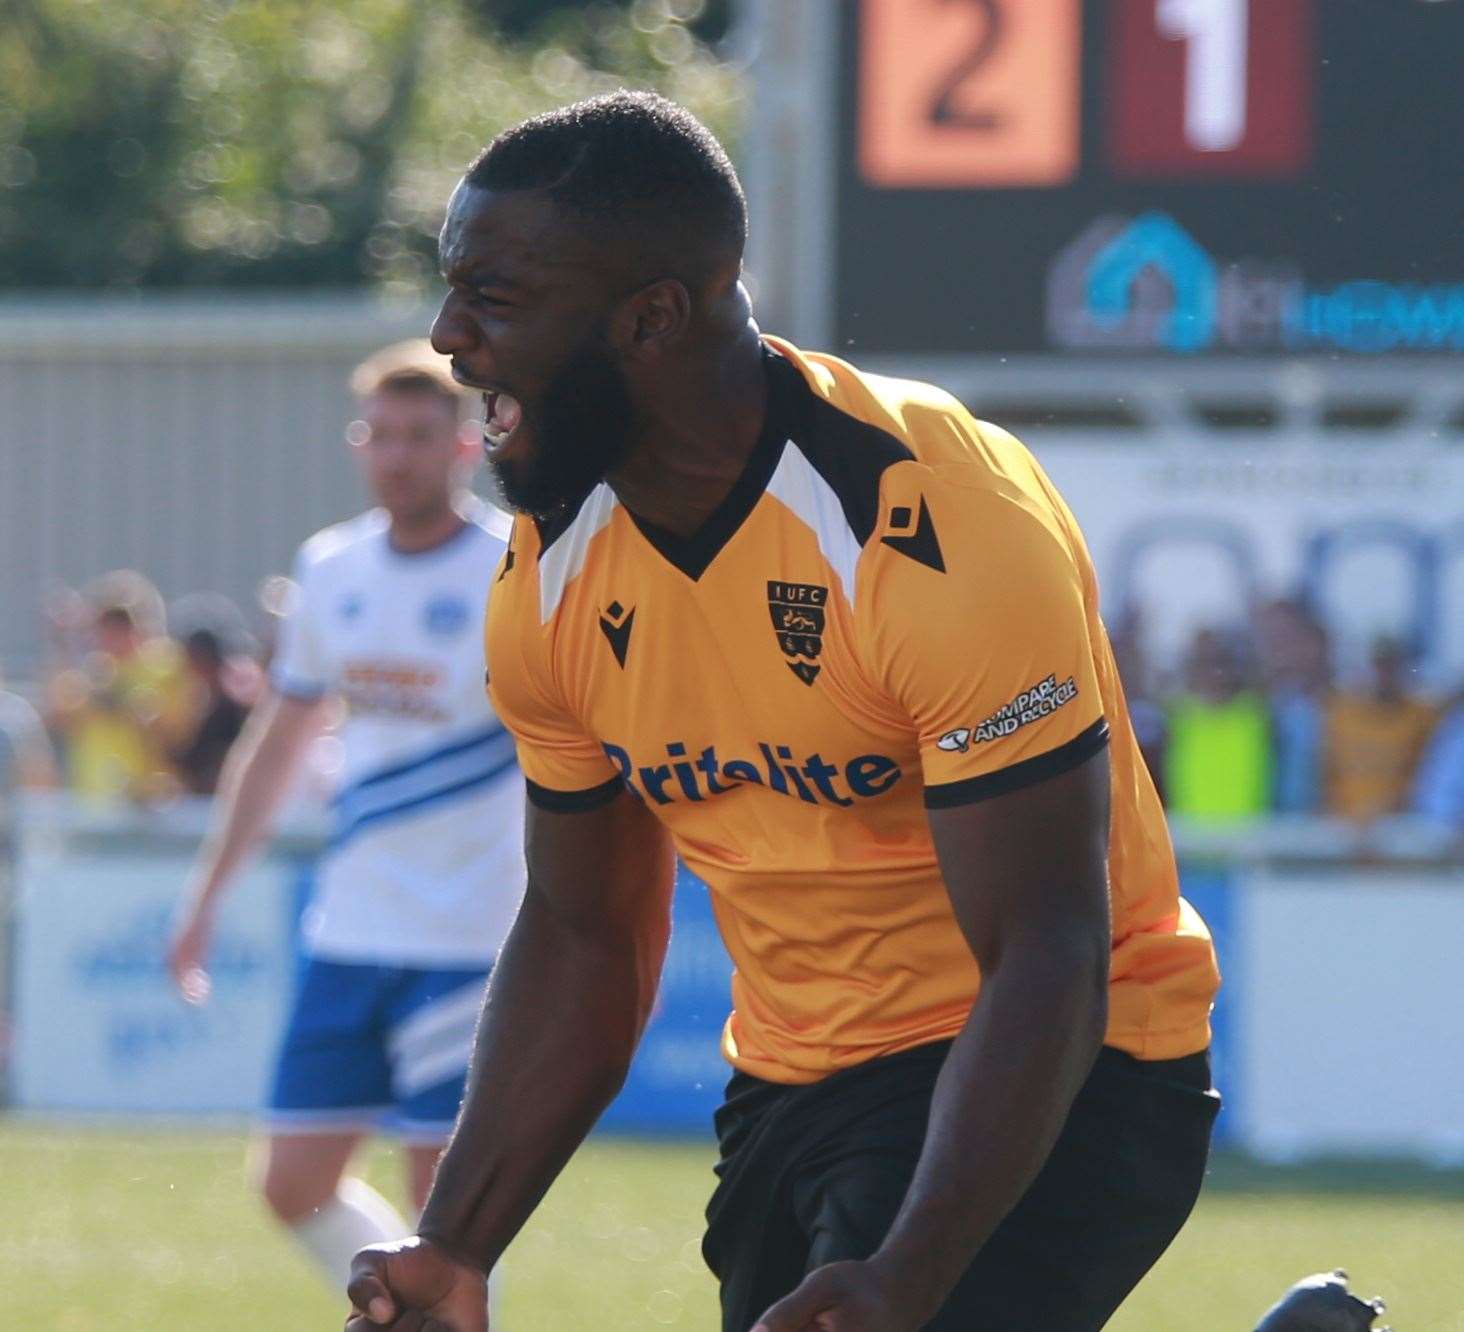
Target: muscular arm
[(565, 1009), (1027, 876)]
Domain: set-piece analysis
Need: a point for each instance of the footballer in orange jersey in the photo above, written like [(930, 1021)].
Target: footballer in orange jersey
[(895, 613), (838, 644)]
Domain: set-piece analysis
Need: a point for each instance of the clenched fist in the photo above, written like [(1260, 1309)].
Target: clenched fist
[(414, 1286)]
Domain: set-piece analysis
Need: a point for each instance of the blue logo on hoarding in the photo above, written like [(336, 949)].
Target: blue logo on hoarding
[(1146, 284), (676, 1082), (133, 953), (1156, 244), (1382, 316)]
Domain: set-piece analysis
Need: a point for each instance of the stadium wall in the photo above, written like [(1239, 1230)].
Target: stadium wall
[(198, 440), (1336, 1030)]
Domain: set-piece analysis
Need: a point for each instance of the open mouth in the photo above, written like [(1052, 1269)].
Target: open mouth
[(502, 413)]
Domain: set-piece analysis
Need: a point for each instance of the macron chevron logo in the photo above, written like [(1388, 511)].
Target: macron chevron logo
[(615, 624), (915, 538)]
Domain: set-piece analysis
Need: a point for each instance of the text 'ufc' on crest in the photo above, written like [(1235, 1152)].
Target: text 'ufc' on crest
[(797, 611)]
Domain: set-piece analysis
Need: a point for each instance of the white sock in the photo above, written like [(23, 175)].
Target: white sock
[(355, 1217)]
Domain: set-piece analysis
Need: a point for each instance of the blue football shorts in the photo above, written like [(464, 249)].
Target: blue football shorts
[(372, 1047)]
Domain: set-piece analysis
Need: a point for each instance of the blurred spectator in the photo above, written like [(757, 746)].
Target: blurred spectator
[(1374, 739), (223, 681), (1296, 670), (1438, 788), (1217, 763), (123, 706), (224, 685)]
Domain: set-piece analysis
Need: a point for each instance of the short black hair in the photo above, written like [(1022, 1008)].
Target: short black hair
[(632, 160)]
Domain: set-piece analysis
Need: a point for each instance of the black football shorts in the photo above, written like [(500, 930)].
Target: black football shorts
[(815, 1174)]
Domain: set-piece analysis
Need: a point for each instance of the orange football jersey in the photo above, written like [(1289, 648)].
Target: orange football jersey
[(892, 610)]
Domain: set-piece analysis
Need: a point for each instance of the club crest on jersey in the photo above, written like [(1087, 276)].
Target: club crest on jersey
[(797, 610), (445, 615)]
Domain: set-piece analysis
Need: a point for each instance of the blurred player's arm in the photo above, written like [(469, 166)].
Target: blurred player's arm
[(565, 1009), (36, 766), (35, 758), (257, 772)]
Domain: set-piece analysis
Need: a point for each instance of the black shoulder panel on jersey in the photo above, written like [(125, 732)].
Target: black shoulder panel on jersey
[(851, 455)]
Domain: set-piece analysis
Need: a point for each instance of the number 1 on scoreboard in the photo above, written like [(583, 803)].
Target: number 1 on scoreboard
[(961, 94), (1214, 69), (1208, 88)]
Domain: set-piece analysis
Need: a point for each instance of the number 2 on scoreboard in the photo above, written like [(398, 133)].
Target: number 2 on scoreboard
[(960, 94), (946, 104)]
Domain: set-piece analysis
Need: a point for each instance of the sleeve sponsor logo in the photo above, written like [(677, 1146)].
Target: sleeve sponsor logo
[(1033, 704)]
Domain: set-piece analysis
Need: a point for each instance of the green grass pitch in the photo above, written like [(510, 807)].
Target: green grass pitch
[(155, 1231)]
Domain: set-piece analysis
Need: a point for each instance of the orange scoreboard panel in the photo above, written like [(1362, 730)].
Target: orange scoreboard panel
[(1169, 176), (957, 95)]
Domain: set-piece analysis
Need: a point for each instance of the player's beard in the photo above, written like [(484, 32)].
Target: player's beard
[(581, 433)]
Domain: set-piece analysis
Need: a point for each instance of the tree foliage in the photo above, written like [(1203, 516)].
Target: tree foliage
[(170, 143)]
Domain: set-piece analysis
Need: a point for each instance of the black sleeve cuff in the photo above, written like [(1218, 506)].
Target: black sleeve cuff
[(573, 802), (1028, 772)]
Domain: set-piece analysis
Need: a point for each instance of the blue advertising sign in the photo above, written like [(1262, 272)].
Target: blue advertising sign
[(1210, 888), (99, 1027), (676, 1081)]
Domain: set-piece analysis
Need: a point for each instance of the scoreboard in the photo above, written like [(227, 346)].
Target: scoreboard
[(1156, 176)]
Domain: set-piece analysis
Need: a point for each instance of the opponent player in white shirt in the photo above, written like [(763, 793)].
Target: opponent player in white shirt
[(424, 870)]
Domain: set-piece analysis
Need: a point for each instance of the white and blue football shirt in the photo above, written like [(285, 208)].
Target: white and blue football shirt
[(425, 865)]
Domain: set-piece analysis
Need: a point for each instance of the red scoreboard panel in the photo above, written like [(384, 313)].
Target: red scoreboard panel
[(1210, 88), (1175, 176)]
